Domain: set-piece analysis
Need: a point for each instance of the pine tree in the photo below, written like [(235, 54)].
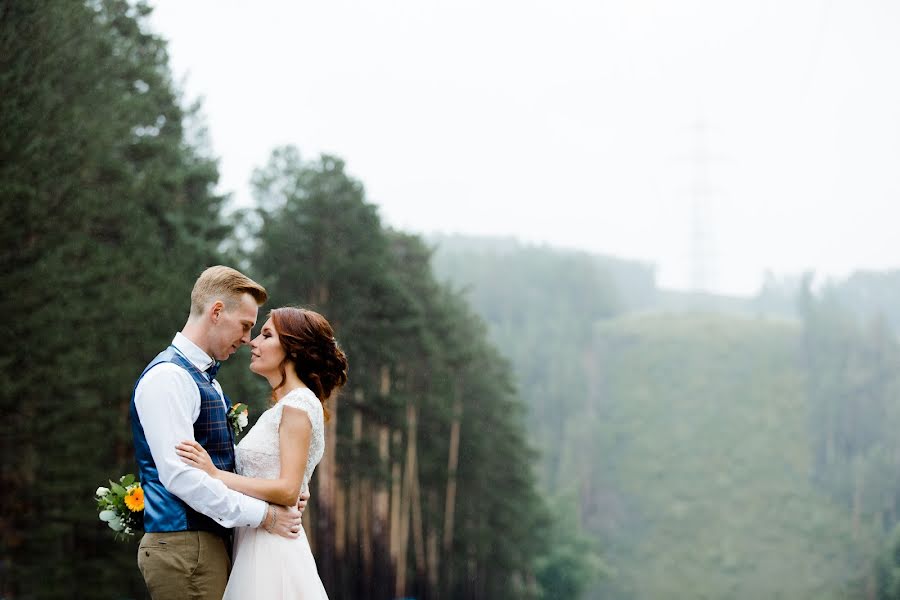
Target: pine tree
[(427, 480), (108, 215)]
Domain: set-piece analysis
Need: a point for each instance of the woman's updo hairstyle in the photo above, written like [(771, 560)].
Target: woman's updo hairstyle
[(308, 342)]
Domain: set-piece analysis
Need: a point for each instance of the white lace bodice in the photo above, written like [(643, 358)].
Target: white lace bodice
[(258, 454)]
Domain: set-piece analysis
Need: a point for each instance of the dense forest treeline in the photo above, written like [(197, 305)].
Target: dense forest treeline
[(109, 214)]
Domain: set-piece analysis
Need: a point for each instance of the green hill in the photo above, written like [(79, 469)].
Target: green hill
[(692, 464), (680, 429)]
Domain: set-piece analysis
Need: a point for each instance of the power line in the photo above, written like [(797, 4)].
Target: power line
[(702, 241)]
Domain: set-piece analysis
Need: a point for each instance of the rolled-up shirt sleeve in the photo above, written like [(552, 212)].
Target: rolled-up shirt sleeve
[(168, 402)]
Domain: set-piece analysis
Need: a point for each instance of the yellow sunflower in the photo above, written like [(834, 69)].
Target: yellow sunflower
[(134, 499)]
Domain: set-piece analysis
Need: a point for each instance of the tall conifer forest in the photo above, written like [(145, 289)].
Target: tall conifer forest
[(109, 212)]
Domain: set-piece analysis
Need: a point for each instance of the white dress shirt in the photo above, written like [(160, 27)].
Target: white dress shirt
[(168, 403)]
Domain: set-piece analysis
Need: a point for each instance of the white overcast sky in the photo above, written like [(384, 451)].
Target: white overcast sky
[(576, 123)]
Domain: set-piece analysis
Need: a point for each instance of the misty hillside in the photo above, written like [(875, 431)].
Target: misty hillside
[(711, 447), (698, 471), (474, 263)]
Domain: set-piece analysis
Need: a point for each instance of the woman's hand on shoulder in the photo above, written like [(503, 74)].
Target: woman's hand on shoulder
[(196, 456)]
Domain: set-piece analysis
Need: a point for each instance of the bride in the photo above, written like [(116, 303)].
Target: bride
[(297, 353)]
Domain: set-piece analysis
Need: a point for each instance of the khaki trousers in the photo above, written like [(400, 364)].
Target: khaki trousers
[(184, 565)]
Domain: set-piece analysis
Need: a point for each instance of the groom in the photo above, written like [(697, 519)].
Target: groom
[(187, 513)]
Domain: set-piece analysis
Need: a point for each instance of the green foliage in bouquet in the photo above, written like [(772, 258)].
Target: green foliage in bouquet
[(121, 506), (238, 418)]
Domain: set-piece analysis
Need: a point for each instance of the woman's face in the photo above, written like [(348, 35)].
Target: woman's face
[(266, 353)]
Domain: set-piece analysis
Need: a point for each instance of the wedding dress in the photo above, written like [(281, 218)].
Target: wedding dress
[(267, 566)]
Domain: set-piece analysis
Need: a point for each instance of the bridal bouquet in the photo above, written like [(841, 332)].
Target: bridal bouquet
[(120, 506), (238, 417)]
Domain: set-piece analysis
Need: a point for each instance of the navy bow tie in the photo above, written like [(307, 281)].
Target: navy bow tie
[(212, 369)]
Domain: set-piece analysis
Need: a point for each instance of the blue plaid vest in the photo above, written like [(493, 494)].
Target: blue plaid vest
[(163, 511)]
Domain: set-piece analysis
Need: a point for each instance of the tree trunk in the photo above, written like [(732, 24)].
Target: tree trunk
[(340, 521), (406, 500), (450, 500), (395, 506), (416, 505), (381, 533), (354, 502), (365, 527), (382, 496), (327, 503), (432, 549)]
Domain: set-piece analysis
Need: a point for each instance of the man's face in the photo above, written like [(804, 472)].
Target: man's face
[(232, 327)]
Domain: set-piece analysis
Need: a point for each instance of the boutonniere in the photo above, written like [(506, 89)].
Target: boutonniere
[(238, 417)]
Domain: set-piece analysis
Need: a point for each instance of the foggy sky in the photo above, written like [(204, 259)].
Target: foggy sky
[(594, 125)]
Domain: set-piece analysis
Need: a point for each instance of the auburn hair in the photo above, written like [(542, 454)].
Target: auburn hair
[(308, 342)]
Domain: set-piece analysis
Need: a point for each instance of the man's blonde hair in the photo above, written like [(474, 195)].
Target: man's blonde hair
[(225, 284)]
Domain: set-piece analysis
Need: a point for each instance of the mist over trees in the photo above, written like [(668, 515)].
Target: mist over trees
[(520, 422), (714, 447), (109, 214)]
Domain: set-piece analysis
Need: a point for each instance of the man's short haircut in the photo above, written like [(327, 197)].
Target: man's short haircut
[(225, 284)]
